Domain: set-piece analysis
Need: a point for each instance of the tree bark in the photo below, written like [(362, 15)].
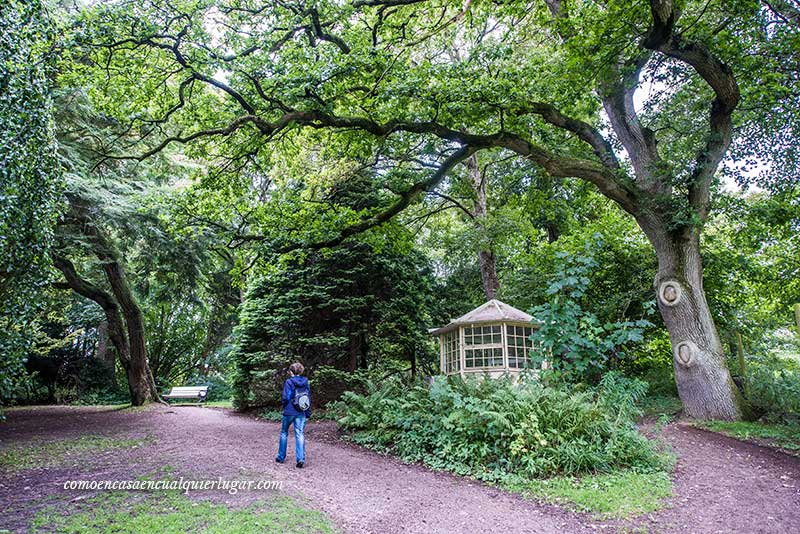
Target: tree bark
[(553, 232), (486, 257), (705, 386), (488, 263), (797, 317), (101, 351), (140, 378), (353, 350), (364, 345)]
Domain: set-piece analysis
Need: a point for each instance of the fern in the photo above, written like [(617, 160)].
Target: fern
[(492, 429)]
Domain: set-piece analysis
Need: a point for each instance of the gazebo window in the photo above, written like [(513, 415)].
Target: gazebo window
[(483, 346), (483, 335), (519, 346), (452, 354)]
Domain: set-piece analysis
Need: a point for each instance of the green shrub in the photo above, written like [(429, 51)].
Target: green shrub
[(496, 430), (218, 387), (774, 387), (651, 361), (329, 384), (105, 396), (350, 307), (575, 341)]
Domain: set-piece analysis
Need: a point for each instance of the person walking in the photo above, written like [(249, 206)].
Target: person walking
[(296, 400)]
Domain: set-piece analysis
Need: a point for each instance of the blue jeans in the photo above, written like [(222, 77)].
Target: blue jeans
[(299, 438)]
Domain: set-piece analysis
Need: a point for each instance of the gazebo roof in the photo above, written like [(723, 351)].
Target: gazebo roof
[(492, 311)]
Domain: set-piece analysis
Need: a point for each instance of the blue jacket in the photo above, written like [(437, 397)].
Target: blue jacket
[(288, 394)]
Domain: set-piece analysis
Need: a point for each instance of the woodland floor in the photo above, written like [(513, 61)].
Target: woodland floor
[(720, 484)]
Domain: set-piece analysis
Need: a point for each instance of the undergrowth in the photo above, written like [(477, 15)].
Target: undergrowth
[(774, 388), (499, 431)]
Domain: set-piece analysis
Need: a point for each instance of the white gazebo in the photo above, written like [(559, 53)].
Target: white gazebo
[(493, 338)]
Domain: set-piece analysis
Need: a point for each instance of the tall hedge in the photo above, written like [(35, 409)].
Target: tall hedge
[(29, 175), (348, 308)]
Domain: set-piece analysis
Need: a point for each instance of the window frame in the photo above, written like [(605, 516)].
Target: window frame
[(514, 340), (451, 352), (468, 333)]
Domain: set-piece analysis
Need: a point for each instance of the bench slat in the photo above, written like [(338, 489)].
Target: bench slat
[(187, 392)]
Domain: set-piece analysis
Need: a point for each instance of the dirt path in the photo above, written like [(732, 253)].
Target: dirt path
[(725, 485), (721, 485)]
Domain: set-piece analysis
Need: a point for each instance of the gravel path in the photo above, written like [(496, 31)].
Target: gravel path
[(721, 485), (724, 485)]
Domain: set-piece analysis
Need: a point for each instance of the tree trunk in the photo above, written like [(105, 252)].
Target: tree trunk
[(491, 283), (116, 326), (101, 352), (552, 232), (364, 347), (797, 317), (705, 386), (131, 348), (140, 378), (486, 257), (143, 387)]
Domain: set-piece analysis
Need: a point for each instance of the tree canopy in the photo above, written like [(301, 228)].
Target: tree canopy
[(214, 142)]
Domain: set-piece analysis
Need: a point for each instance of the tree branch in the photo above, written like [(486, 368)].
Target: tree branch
[(639, 142), (719, 77), (583, 130), (116, 330), (230, 128), (454, 202), (786, 10), (406, 198), (386, 3), (323, 36)]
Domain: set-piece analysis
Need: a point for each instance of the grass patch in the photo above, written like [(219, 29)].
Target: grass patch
[(607, 496), (784, 436), (173, 513), (220, 403), (40, 453)]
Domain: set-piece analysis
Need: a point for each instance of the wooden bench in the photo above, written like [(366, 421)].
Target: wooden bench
[(193, 392)]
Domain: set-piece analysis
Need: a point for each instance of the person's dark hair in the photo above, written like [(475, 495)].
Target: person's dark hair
[(297, 368)]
